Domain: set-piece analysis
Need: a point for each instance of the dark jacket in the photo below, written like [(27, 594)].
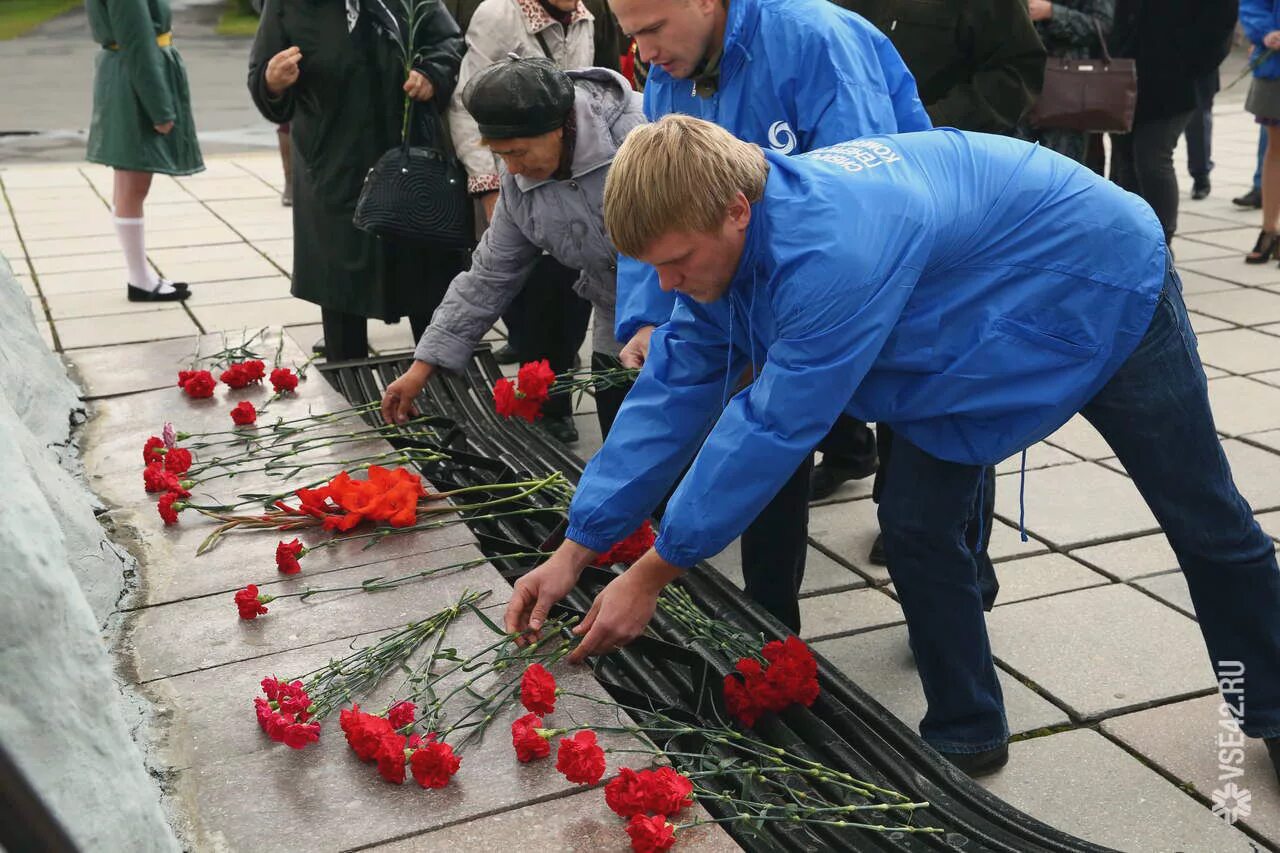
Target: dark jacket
[(345, 111), (1175, 43), (1072, 31), (978, 64)]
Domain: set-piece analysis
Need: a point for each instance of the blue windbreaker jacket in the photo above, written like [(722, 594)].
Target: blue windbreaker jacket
[(795, 75), (972, 291), (1257, 18)]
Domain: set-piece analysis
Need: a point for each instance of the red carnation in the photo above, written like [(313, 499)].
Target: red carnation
[(263, 709), (504, 397), (199, 384), (156, 479), (580, 758), (244, 413), (287, 554), (364, 731), (538, 690), (534, 380), (250, 602), (235, 377), (390, 757), (434, 765), (792, 672), (170, 505), (151, 450), (177, 460), (650, 834), (272, 687), (401, 714), (293, 699), (630, 549), (297, 735), (666, 791), (282, 379), (254, 370), (529, 744), (184, 376), (625, 793)]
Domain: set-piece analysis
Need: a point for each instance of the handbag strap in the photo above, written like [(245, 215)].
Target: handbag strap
[(542, 43), (1102, 40)]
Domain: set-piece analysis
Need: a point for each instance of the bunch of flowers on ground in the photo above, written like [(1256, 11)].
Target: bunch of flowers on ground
[(536, 382)]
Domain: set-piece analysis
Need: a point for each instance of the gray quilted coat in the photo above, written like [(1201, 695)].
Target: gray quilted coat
[(564, 218)]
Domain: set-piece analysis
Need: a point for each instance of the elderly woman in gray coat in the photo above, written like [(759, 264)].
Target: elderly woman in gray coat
[(556, 133)]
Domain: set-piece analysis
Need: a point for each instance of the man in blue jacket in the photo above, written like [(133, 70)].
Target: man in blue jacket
[(792, 75), (972, 291)]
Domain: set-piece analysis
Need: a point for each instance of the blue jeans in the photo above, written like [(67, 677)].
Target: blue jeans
[(1154, 413)]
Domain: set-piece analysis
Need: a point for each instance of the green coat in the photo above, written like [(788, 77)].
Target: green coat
[(137, 86), (345, 111), (978, 64)]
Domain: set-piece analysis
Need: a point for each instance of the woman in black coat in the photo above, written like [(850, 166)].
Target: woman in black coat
[(1175, 43), (330, 69)]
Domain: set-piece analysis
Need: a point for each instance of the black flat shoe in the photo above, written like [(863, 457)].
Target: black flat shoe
[(561, 429), (137, 294), (975, 764), (1267, 247), (876, 557), (506, 354), (1253, 199), (827, 477), (1200, 189)]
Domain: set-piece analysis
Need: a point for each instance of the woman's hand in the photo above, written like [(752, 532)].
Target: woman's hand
[(636, 352), (163, 129), (397, 400), (1041, 10), (419, 87), (282, 71), (539, 590), (1271, 40)]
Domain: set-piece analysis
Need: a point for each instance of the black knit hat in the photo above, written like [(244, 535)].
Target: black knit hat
[(519, 97)]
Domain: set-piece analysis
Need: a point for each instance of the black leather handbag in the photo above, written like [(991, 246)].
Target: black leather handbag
[(418, 193)]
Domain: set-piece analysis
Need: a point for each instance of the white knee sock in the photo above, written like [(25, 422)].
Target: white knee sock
[(133, 243)]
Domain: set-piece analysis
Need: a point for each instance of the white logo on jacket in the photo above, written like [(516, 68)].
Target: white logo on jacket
[(782, 138)]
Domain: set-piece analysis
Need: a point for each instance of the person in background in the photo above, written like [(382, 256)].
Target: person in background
[(329, 69), (792, 75), (1199, 136), (556, 133), (979, 65), (546, 320), (1261, 22), (142, 124), (1253, 198), (1069, 29), (1175, 43)]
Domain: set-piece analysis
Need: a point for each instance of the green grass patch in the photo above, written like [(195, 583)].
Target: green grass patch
[(237, 19), (18, 17)]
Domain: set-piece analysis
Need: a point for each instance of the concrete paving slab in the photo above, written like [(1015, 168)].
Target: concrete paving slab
[(821, 573), (880, 662), (202, 633), (1182, 739), (1046, 574), (1171, 588), (278, 312), (1202, 324), (844, 612), (581, 823), (1103, 650), (1040, 455), (1256, 472), (1074, 504), (238, 292), (1240, 350), (1194, 282), (1083, 784), (1244, 307), (92, 262), (1236, 271), (99, 303), (1078, 436), (1130, 558), (1188, 248), (116, 280), (197, 271), (1240, 240), (1242, 406), (79, 332)]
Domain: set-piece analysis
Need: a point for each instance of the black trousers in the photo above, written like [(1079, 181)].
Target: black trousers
[(1142, 163), (979, 527), (850, 444), (346, 336), (608, 400), (550, 321)]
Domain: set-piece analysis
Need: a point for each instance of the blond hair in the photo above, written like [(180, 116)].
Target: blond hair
[(678, 174)]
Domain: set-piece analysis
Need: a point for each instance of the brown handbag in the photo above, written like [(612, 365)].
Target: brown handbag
[(1094, 95)]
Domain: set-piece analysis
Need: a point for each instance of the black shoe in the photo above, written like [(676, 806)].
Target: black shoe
[(975, 764), (876, 557), (506, 354), (1200, 189), (1273, 748), (138, 294), (1267, 247), (562, 428), (318, 347), (1253, 198), (827, 477)]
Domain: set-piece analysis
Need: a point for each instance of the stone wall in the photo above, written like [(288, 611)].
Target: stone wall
[(62, 712)]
